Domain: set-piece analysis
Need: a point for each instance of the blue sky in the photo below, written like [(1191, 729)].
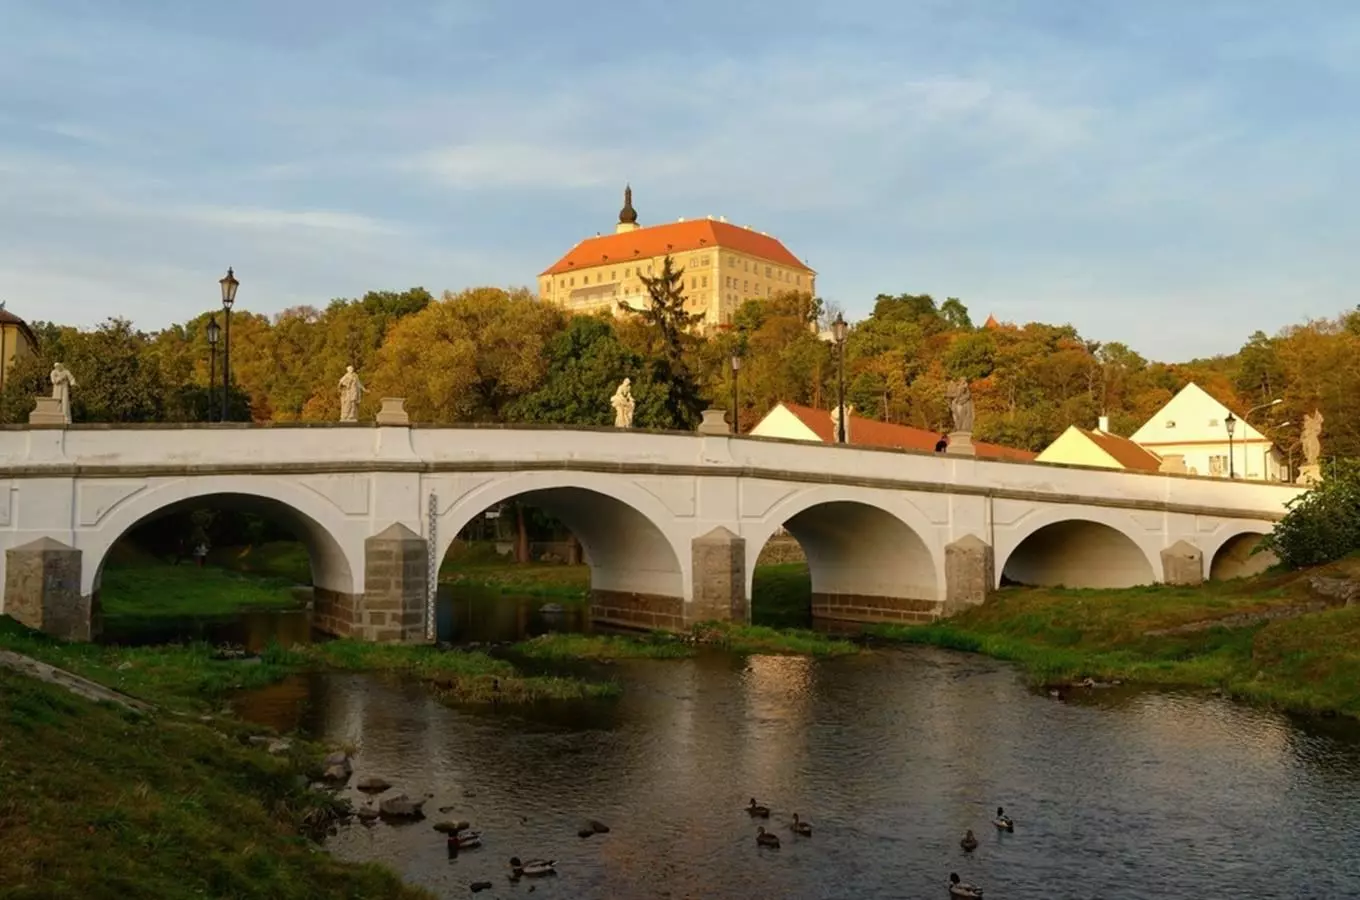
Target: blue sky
[(1170, 174)]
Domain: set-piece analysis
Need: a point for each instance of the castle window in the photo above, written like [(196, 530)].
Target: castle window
[(705, 284)]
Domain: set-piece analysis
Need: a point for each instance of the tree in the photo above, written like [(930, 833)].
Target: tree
[(674, 400), (585, 364), (955, 313)]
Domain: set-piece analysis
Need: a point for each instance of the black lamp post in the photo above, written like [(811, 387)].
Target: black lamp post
[(229, 286), (838, 330), (214, 332), (1230, 423), (736, 368)]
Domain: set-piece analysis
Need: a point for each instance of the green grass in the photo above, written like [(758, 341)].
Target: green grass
[(287, 560), (176, 676), (601, 647), (532, 579), (100, 804), (458, 676), (1307, 663), (781, 595), (752, 639), (158, 592)]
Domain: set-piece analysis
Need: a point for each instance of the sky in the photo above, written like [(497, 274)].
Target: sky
[(1167, 174)]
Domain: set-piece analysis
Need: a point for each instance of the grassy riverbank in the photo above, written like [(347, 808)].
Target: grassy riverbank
[(103, 803), (1252, 639), (738, 639)]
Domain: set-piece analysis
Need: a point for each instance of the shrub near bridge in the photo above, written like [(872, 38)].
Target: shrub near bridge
[(1322, 525)]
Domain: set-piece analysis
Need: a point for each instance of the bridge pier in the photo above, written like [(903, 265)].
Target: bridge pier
[(42, 590), (392, 607)]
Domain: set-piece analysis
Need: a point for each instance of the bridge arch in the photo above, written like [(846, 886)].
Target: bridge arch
[(870, 556), (335, 551), (1093, 548), (1229, 552), (629, 536)]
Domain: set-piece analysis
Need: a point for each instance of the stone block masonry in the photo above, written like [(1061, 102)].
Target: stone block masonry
[(719, 559), (392, 608), (867, 608), (1183, 564), (630, 610), (42, 590), (969, 573)]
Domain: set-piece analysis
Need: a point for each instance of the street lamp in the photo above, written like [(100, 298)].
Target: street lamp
[(736, 367), (1230, 423), (229, 286), (214, 332), (838, 330)]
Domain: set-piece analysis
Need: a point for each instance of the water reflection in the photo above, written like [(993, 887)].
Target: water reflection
[(890, 755)]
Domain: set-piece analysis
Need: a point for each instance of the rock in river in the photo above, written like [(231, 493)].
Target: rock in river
[(401, 807), (373, 784)]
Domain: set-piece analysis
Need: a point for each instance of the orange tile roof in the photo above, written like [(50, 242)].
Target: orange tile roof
[(872, 433), (672, 238), (1128, 454)]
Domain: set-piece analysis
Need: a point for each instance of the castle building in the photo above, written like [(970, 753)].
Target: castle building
[(724, 265)]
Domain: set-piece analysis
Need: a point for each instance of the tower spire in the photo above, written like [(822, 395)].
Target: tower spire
[(627, 215)]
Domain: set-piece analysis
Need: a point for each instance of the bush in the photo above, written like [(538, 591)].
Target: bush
[(1322, 525)]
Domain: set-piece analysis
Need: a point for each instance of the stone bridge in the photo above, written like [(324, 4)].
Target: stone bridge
[(671, 524)]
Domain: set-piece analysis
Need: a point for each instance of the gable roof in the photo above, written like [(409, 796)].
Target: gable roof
[(1123, 451), (1191, 409), (872, 433), (673, 238)]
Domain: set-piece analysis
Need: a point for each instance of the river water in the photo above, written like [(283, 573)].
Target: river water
[(891, 755)]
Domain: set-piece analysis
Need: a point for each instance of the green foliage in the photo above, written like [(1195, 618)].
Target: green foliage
[(673, 399), (586, 362), (1322, 525)]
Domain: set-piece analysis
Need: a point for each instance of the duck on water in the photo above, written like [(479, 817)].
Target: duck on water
[(534, 868), (963, 890), (1003, 821)]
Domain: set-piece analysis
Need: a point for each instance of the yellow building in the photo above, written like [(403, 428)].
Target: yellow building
[(17, 342), (724, 265), (1084, 447)]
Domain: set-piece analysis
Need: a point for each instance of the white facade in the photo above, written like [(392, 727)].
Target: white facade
[(1191, 425), (780, 422), (873, 523)]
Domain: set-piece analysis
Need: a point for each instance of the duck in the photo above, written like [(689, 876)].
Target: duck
[(1003, 821), (969, 842), (963, 890), (757, 811), (465, 840), (765, 839), (534, 868), (801, 827)]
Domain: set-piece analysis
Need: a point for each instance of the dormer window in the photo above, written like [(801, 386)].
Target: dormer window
[(1213, 423), (1170, 423)]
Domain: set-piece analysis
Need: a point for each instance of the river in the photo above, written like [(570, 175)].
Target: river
[(891, 755)]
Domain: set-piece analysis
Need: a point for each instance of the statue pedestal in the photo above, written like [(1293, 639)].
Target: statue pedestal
[(47, 412), (393, 412), (715, 422), (1310, 475), (961, 444)]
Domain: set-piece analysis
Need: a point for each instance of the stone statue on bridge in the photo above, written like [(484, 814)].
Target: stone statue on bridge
[(836, 422), (62, 382), (351, 390), (961, 405), (623, 404), (1311, 439)]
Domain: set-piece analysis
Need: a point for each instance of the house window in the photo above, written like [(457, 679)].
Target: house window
[(746, 285), (1213, 423), (1170, 423), (800, 280), (745, 266), (705, 284), (611, 274), (1218, 465), (767, 271)]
